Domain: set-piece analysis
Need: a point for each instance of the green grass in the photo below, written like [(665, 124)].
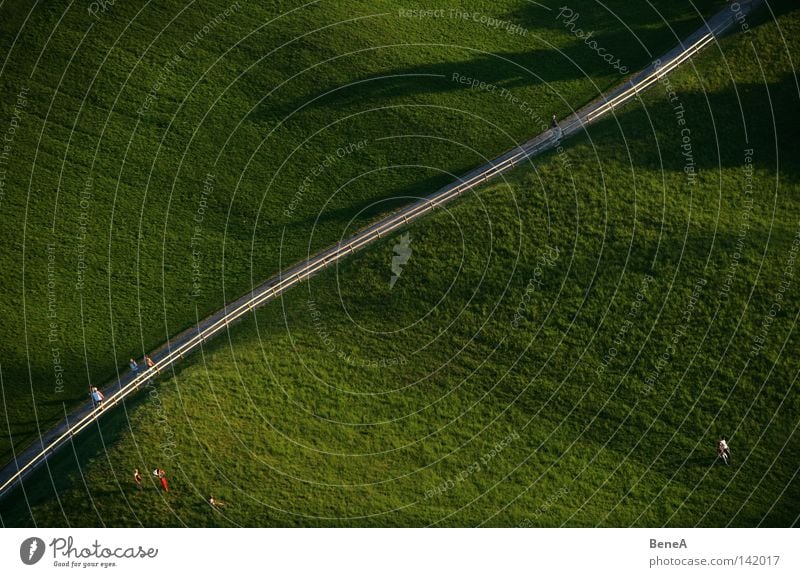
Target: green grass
[(380, 406), (259, 102)]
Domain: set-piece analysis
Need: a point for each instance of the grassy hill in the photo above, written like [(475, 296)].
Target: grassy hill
[(560, 348), (165, 158)]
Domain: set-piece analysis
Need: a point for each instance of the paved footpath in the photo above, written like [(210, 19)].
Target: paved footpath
[(731, 18)]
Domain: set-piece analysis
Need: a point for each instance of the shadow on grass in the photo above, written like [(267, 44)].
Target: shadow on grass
[(716, 122), (62, 471), (510, 71), (635, 35), (596, 16)]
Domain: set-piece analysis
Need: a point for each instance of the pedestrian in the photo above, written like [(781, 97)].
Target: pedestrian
[(137, 478), (162, 477), (132, 364), (149, 362), (555, 129), (723, 451), (97, 397)]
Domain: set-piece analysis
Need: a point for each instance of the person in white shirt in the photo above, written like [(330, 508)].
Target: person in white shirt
[(97, 397), (723, 451)]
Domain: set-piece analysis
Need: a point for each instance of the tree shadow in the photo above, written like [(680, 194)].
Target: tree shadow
[(592, 15), (59, 473), (363, 212), (719, 129), (768, 14), (635, 35), (483, 73)]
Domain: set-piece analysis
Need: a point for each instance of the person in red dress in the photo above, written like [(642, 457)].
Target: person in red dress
[(162, 477)]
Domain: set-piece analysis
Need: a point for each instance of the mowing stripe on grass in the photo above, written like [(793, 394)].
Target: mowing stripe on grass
[(184, 343)]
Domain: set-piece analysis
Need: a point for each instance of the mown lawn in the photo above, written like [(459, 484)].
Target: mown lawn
[(166, 157), (560, 348)]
